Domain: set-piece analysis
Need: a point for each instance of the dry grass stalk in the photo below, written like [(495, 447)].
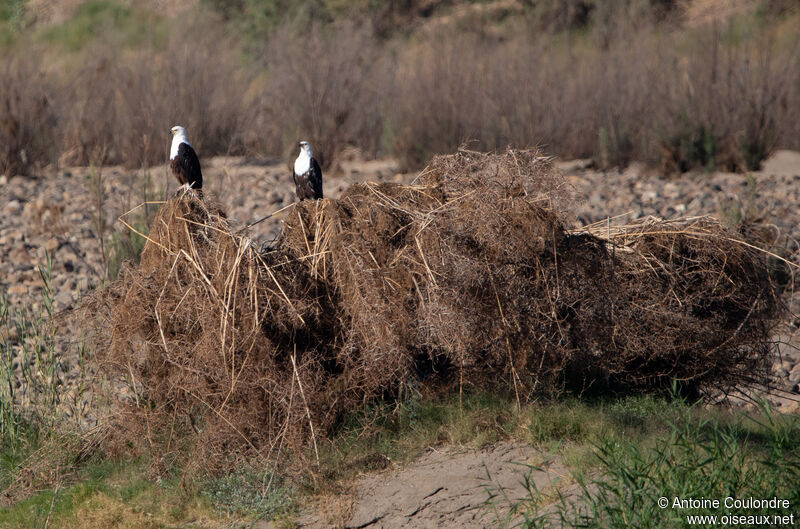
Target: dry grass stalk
[(468, 277)]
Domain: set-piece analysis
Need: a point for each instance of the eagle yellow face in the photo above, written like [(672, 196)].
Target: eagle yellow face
[(175, 130)]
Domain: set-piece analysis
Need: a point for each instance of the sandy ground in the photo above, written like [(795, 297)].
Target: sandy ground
[(451, 487), (63, 214)]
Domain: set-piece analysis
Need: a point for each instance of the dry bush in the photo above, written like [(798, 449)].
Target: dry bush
[(732, 104), (27, 116), (516, 92), (681, 98), (325, 84), (468, 276), (714, 102), (125, 105)]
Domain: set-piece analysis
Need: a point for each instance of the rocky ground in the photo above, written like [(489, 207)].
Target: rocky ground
[(72, 216)]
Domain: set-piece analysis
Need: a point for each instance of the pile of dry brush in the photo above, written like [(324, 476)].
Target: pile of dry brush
[(469, 276)]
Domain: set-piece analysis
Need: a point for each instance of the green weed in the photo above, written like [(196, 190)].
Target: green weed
[(126, 246), (737, 211), (12, 11), (250, 490), (31, 374), (703, 456)]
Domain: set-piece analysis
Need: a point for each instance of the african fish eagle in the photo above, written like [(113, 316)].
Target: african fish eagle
[(183, 160), (307, 174)]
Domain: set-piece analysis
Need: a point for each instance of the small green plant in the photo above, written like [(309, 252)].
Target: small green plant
[(736, 211), (249, 490), (9, 419), (12, 11), (614, 146), (702, 457), (31, 374), (32, 382), (126, 246)]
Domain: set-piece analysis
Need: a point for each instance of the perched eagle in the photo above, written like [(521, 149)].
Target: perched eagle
[(307, 174), (183, 160)]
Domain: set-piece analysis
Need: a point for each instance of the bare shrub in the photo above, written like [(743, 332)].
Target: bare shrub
[(516, 92), (439, 97), (722, 104), (128, 103), (728, 106), (327, 85), (27, 115), (680, 98), (469, 275)]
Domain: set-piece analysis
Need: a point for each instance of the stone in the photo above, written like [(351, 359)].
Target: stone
[(13, 207), (17, 289), (64, 298), (20, 255), (51, 244)]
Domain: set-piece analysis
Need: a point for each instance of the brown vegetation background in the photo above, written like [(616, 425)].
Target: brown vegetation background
[(614, 81)]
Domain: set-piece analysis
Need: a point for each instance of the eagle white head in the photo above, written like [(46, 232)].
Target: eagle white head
[(178, 137), (305, 147)]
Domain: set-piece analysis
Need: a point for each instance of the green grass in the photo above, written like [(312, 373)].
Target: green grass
[(397, 432), (126, 246), (622, 454), (704, 454), (105, 493), (32, 352)]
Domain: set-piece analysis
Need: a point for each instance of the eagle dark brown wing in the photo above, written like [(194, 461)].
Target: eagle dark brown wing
[(315, 179), (186, 167)]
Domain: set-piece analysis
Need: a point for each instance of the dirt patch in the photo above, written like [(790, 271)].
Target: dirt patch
[(446, 488)]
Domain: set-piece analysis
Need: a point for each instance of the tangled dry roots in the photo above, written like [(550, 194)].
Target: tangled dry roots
[(468, 275)]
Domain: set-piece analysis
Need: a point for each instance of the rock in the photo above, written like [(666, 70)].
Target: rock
[(64, 298), (51, 244), (17, 289), (13, 207), (670, 190), (20, 255), (650, 196)]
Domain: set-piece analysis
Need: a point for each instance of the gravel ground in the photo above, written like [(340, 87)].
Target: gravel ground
[(66, 212)]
